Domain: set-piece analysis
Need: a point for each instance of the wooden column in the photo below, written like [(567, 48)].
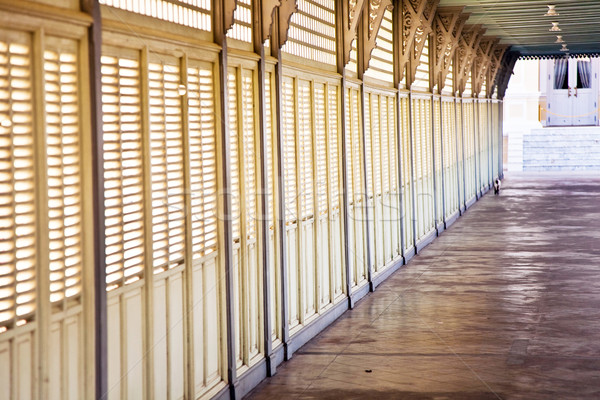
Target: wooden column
[(100, 333)]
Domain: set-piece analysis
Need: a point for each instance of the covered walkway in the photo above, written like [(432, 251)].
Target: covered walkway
[(505, 304)]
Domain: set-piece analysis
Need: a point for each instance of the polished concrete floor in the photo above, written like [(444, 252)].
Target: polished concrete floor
[(503, 305)]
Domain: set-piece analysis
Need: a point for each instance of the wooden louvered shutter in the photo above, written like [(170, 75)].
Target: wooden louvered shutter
[(321, 148), (334, 172), (234, 152), (166, 165), (305, 150), (203, 159), (17, 186), (63, 166), (249, 154), (289, 150), (368, 145), (376, 145), (123, 174)]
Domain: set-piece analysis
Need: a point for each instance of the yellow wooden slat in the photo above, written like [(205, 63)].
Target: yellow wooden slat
[(202, 155), (63, 168), (17, 201), (123, 175)]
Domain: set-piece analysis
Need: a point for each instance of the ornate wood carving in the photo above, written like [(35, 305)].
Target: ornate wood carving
[(266, 9), (279, 17), (495, 62), (447, 27), (415, 20), (481, 62), (347, 23), (371, 22), (229, 8), (465, 53), (506, 70)]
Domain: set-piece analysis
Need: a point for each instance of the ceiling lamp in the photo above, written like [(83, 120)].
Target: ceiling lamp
[(564, 47), (555, 27), (559, 39), (551, 11)]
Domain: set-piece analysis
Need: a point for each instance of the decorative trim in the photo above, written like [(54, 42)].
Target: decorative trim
[(447, 27), (371, 22)]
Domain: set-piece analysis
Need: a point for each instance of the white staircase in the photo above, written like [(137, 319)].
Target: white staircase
[(562, 149)]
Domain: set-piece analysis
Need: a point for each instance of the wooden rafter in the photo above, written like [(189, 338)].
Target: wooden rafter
[(266, 10), (495, 63), (349, 13), (412, 15), (372, 17), (465, 53), (481, 62), (281, 15), (420, 37), (447, 27)]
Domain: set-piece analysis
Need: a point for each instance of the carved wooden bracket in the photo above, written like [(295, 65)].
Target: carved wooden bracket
[(416, 18), (508, 64), (447, 27), (495, 63), (229, 10), (266, 10), (349, 13), (481, 63), (467, 45), (285, 12), (372, 17)]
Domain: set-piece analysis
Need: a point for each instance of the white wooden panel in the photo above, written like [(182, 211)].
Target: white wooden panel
[(293, 278), (323, 263), (175, 335), (212, 344), (5, 359), (74, 348), (336, 257), (308, 267), (198, 316), (254, 302), (55, 359), (24, 366), (237, 303), (134, 349), (160, 338), (113, 312)]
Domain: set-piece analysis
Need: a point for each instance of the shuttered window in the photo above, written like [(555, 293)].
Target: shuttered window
[(192, 13), (250, 152), (289, 150), (312, 31), (63, 169), (166, 166), (334, 170), (381, 65), (17, 186), (368, 147), (305, 150), (203, 159), (123, 173), (234, 153), (321, 148), (242, 26)]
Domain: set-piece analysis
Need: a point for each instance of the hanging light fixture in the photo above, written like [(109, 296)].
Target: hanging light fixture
[(559, 39), (564, 47), (551, 11), (555, 27)]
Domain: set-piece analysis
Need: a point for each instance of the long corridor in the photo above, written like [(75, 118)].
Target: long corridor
[(504, 305)]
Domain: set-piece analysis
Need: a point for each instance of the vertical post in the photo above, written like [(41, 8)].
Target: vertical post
[(456, 149), (280, 223), (264, 198), (500, 106), (365, 182), (340, 32), (442, 166), (225, 232), (434, 172), (397, 46), (462, 141), (412, 170), (92, 7), (361, 67)]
